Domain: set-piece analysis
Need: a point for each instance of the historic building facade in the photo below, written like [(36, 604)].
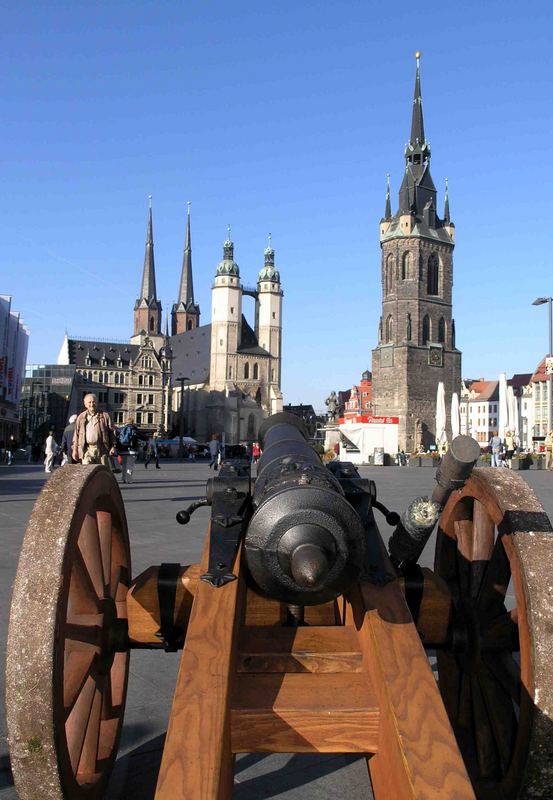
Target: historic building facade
[(222, 378), (416, 342)]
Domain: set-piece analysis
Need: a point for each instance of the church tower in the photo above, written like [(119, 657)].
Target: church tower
[(269, 316), (416, 343), (147, 309), (226, 320), (185, 314)]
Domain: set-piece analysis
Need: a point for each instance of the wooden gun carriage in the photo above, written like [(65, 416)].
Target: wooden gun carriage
[(299, 632)]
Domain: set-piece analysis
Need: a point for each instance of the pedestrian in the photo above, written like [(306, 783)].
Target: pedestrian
[(495, 449), (127, 442), (509, 449), (256, 452), (549, 450), (29, 452), (152, 452), (67, 441), (93, 439), (51, 449), (13, 444), (214, 451)]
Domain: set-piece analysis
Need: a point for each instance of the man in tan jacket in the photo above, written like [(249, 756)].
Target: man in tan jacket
[(94, 438), (549, 450)]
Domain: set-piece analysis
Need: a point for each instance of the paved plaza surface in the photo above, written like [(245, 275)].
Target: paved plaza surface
[(151, 502)]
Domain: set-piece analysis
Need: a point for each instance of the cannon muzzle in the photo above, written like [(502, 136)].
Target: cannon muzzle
[(305, 543)]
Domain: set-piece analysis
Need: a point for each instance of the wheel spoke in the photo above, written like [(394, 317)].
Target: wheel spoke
[(500, 633), (117, 678), (89, 545), (105, 537), (83, 597), (496, 580), (76, 670), (82, 636), (486, 753), (507, 671), (89, 753), (499, 708), (463, 532), (77, 722)]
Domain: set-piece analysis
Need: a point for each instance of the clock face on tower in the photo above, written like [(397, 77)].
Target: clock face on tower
[(435, 356)]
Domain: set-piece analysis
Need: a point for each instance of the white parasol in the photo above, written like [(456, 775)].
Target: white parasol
[(441, 438), (513, 411), (455, 418), (503, 419)]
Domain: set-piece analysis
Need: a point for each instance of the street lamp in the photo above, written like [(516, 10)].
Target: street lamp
[(539, 301), (181, 379)]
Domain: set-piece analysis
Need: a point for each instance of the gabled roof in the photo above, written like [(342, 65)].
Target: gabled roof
[(248, 342), (519, 380), (485, 390), (79, 349), (540, 373)]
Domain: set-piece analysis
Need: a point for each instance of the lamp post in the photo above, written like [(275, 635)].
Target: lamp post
[(181, 380), (539, 301)]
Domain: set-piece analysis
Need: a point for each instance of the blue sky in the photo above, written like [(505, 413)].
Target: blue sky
[(281, 118)]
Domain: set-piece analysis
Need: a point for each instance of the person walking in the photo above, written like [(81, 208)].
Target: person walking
[(13, 444), (51, 449), (256, 452), (127, 442), (67, 441), (94, 438), (495, 449), (152, 452), (509, 449), (549, 450), (214, 450)]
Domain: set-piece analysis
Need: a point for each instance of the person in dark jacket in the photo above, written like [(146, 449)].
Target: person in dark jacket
[(67, 441)]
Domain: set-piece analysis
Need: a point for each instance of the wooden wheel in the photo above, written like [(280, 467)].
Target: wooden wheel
[(67, 662), (495, 551)]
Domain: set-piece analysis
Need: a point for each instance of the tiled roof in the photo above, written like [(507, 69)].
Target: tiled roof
[(79, 349)]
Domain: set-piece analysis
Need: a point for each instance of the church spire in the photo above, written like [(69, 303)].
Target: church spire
[(185, 314), (148, 288), (417, 122), (388, 208), (186, 290), (447, 218)]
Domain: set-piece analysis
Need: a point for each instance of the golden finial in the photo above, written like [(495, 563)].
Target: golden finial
[(189, 203), (149, 200), (418, 54)]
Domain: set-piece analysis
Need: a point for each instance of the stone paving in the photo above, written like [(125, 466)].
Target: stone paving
[(151, 502)]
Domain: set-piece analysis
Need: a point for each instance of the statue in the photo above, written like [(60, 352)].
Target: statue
[(332, 404)]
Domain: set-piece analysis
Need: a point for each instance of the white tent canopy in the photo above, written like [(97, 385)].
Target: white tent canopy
[(455, 418), (441, 437), (503, 419)]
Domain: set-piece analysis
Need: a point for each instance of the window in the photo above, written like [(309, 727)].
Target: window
[(230, 372), (409, 332), (272, 374), (150, 417), (246, 371), (140, 380), (152, 323), (453, 333), (139, 417), (426, 329), (147, 362), (389, 276), (256, 372), (274, 314), (139, 399), (232, 309), (150, 399), (406, 266), (389, 328), (151, 380), (432, 282), (189, 325), (441, 330), (116, 378)]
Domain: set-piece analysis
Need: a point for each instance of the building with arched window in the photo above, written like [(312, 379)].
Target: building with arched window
[(408, 365)]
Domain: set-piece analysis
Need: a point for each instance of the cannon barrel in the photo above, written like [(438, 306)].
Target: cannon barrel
[(305, 544)]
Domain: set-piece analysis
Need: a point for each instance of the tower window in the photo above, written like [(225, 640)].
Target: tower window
[(453, 333), (389, 328), (426, 329), (255, 372), (406, 266), (230, 372), (152, 323), (432, 282), (389, 276), (246, 371), (441, 330), (189, 325), (409, 328), (274, 314)]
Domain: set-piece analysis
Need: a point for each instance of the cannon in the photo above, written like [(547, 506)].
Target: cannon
[(299, 631)]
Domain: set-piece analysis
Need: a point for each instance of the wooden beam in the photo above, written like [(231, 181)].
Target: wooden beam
[(197, 762), (417, 756), (309, 649), (322, 713)]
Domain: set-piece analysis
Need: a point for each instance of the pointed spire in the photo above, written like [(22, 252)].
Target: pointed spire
[(388, 209), (417, 123), (148, 288), (447, 218), (186, 290)]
